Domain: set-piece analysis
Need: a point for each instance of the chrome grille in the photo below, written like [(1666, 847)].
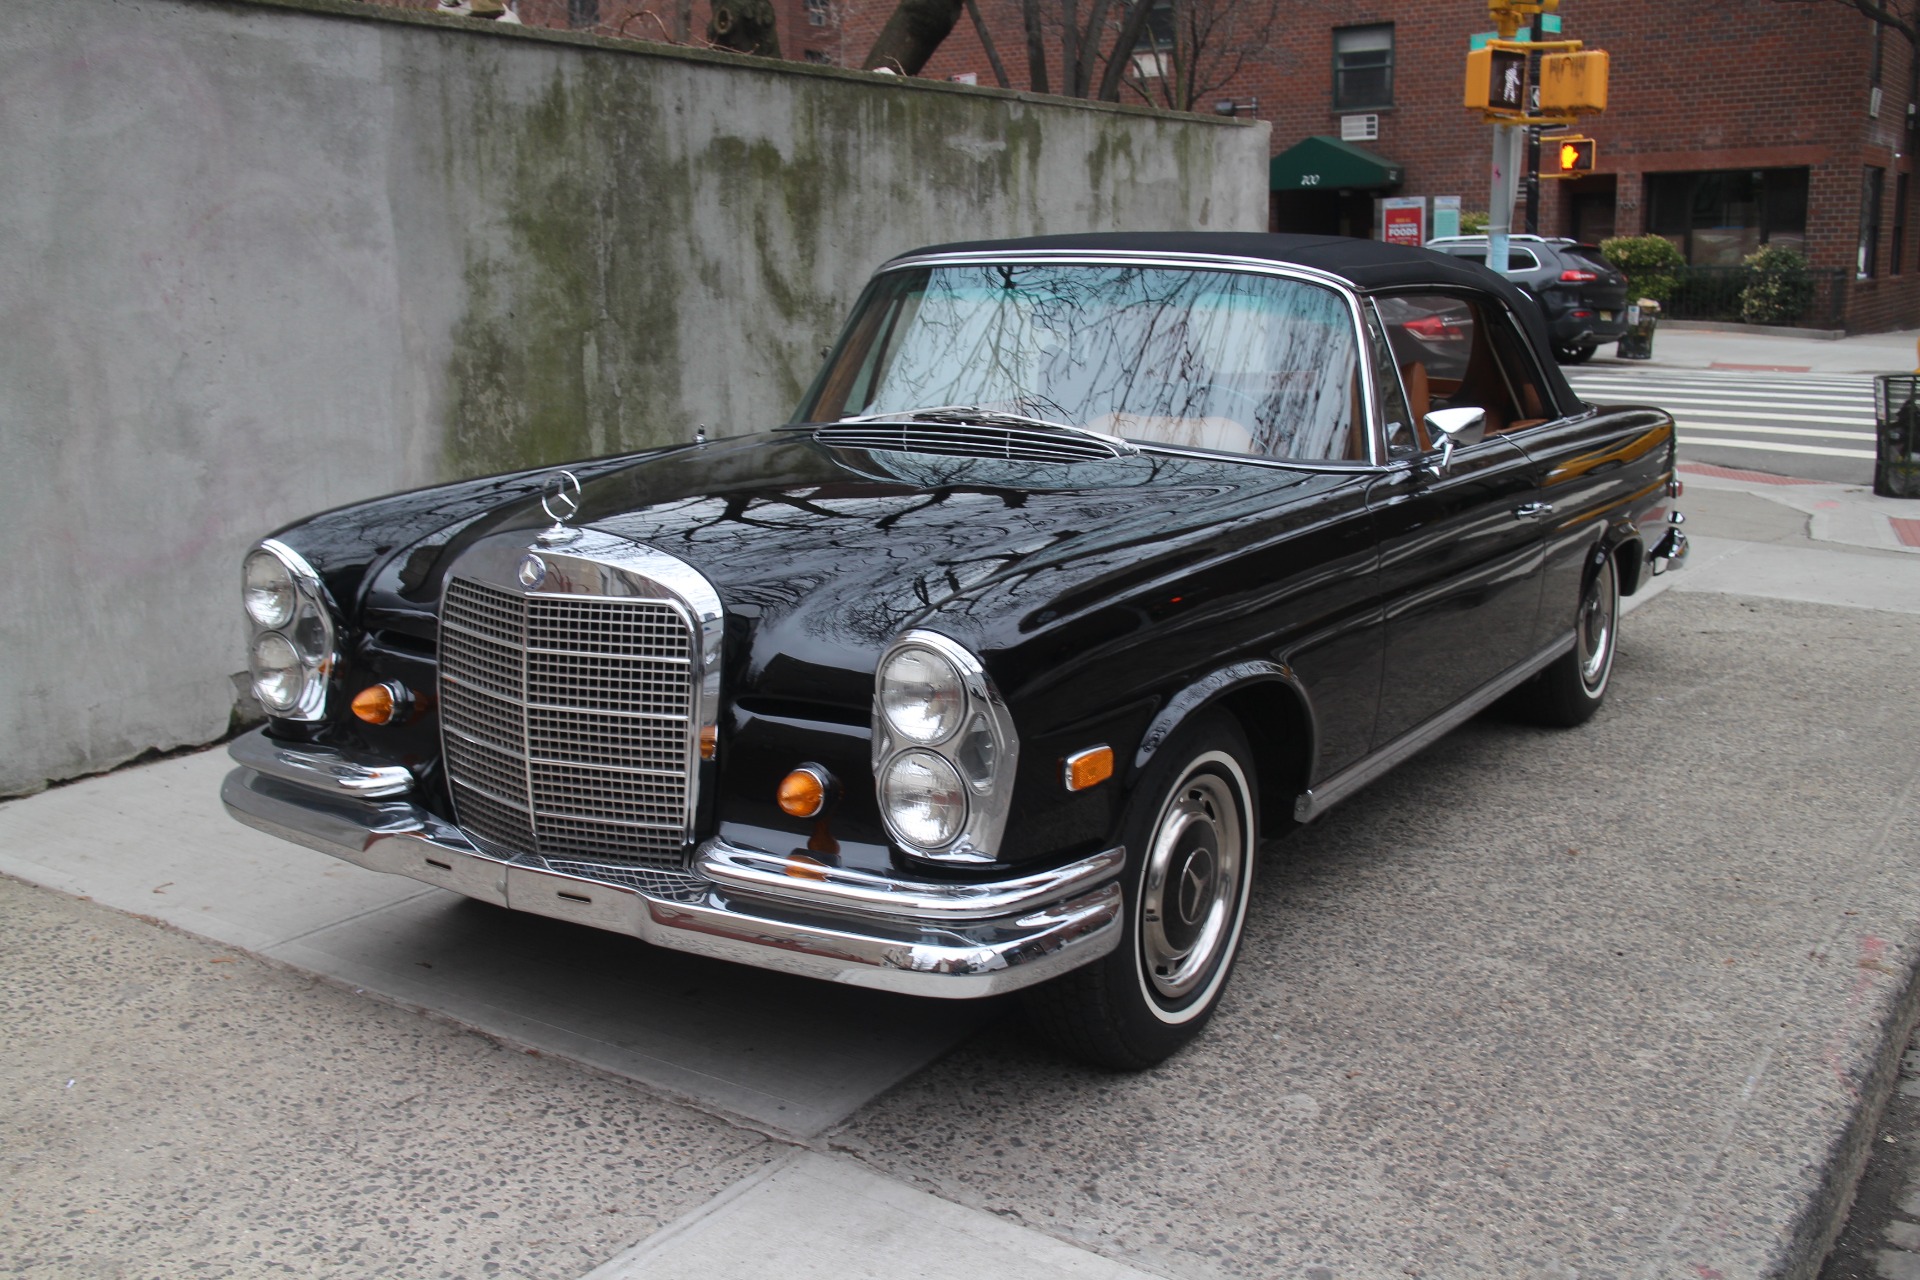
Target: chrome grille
[(568, 723)]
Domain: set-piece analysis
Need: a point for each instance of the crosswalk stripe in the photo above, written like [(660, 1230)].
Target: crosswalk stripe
[(1704, 425), (1744, 395), (1613, 386), (1761, 446), (1735, 413)]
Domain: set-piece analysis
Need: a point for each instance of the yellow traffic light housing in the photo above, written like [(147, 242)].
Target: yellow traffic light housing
[(1568, 156), (1497, 80), (1573, 83)]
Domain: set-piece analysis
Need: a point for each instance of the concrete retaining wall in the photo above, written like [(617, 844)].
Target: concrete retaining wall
[(261, 258)]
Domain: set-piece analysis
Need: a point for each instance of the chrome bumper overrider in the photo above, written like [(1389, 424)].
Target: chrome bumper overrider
[(927, 938)]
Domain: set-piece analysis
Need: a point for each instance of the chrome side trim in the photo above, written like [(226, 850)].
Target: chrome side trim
[(1317, 800), (914, 942), (322, 768), (840, 889)]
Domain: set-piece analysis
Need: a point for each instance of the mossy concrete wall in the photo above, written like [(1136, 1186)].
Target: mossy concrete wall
[(262, 257)]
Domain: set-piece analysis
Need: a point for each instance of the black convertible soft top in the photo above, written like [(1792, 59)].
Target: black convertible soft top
[(1366, 264)]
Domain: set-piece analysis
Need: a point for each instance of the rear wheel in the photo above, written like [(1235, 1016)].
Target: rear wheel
[(1190, 840), (1572, 689)]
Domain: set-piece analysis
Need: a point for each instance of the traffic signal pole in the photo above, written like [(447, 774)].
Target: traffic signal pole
[(1516, 86), (1505, 174), (1533, 137)]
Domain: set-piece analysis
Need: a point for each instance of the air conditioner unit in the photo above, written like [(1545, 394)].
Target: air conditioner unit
[(1873, 103), (1359, 128)]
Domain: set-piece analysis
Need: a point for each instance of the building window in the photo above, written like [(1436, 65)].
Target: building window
[(817, 13), (818, 58), (1363, 67), (583, 13), (1718, 217), (1872, 185), (1899, 225)]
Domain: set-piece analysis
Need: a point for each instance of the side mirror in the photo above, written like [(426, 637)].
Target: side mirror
[(1453, 428)]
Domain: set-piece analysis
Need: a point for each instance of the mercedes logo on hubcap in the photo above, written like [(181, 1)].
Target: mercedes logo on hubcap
[(1195, 880)]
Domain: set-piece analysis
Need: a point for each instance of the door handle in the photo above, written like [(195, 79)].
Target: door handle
[(1533, 511)]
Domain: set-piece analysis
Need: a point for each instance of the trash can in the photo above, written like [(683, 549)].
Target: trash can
[(1637, 342), (1896, 435)]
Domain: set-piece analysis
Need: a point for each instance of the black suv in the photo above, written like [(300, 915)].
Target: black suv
[(1583, 296)]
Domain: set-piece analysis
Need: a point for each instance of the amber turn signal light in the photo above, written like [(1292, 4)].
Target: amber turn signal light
[(1088, 768), (803, 793), (382, 703), (709, 741)]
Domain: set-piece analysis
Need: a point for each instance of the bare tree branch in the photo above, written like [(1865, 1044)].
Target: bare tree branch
[(986, 43)]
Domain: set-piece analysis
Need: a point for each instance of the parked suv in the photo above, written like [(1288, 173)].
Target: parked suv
[(1583, 295)]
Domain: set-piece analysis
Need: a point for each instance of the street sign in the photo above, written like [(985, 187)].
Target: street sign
[(1403, 220)]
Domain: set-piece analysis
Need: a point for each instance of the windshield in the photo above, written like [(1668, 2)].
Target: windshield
[(1209, 359)]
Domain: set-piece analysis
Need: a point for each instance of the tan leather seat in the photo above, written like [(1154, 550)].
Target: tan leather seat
[(1413, 377)]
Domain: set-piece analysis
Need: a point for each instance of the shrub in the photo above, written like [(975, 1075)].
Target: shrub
[(1779, 286), (1473, 224), (1651, 264)]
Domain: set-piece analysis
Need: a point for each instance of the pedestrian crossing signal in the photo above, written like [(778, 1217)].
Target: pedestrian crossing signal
[(1571, 157)]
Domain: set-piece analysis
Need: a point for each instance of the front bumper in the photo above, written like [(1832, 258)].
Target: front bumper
[(926, 938)]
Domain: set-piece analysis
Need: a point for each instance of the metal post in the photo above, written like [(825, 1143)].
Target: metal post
[(1533, 135), (1500, 193)]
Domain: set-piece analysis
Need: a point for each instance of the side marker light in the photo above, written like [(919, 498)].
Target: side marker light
[(382, 703), (1088, 768)]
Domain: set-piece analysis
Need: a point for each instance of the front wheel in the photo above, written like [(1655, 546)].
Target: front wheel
[(1190, 840), (1572, 689)]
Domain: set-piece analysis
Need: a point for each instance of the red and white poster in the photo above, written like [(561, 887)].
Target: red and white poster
[(1403, 220)]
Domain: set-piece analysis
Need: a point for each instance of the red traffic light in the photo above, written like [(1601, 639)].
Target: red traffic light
[(1573, 155)]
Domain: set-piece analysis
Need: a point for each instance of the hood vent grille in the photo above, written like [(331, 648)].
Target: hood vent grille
[(1022, 444)]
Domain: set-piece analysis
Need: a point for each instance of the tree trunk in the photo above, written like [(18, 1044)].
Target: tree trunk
[(912, 34), (986, 43), (1130, 28), (1036, 47)]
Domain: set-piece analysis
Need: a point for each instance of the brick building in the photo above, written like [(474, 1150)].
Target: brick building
[(1734, 124)]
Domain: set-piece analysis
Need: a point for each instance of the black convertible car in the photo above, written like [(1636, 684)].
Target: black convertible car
[(1085, 562)]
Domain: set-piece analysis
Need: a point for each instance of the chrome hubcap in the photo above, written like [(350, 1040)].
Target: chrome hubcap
[(1594, 628), (1190, 893)]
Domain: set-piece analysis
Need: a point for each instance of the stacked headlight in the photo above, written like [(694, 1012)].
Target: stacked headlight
[(943, 750), (290, 650)]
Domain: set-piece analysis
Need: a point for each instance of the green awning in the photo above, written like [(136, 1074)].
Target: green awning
[(1328, 164)]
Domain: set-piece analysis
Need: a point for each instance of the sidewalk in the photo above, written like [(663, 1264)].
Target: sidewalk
[(1623, 1001), (1743, 350)]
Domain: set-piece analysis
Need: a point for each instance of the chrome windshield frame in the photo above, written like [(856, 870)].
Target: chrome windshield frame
[(1345, 288)]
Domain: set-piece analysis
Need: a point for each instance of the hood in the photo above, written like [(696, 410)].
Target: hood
[(823, 555)]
